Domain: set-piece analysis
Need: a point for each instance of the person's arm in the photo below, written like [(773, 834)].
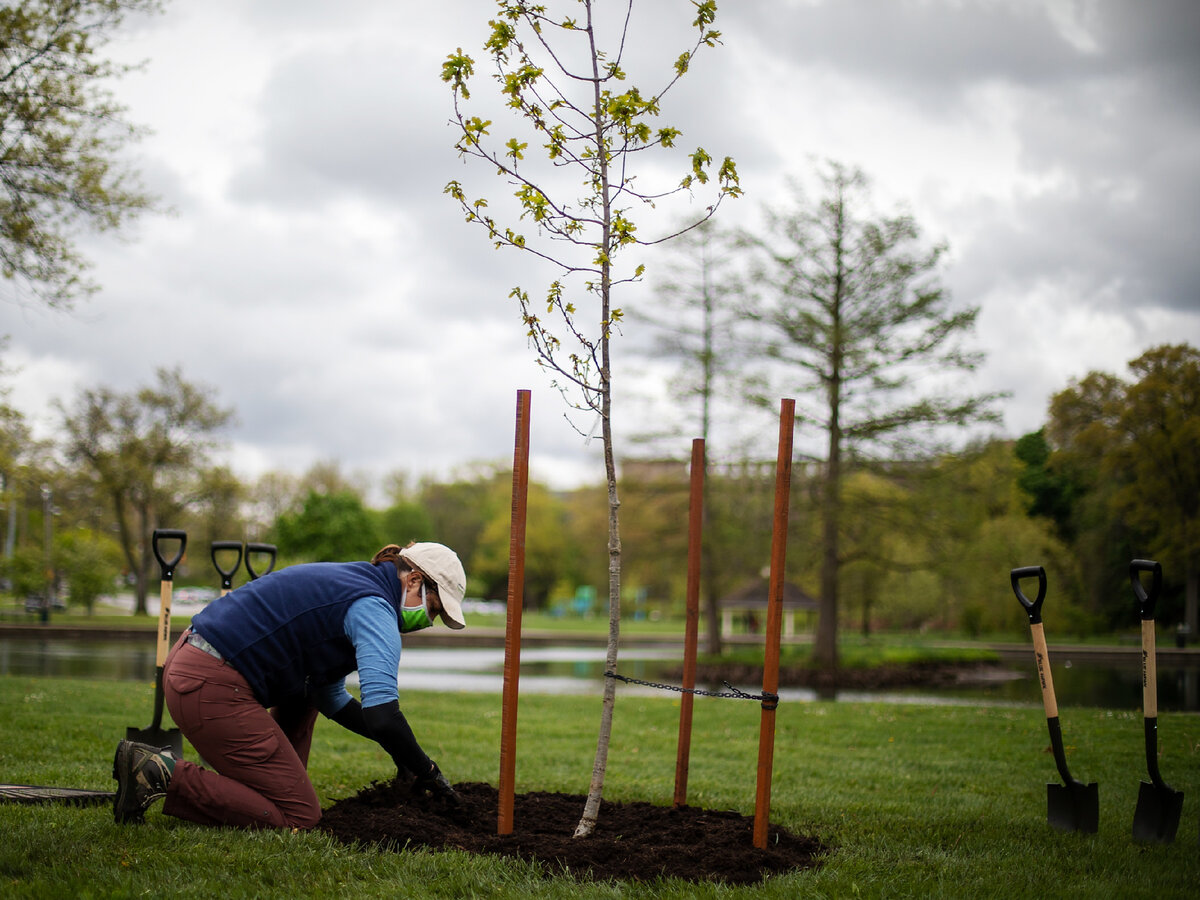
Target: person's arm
[(350, 716), (372, 627)]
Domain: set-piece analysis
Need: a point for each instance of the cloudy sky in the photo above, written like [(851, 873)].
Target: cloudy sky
[(313, 274)]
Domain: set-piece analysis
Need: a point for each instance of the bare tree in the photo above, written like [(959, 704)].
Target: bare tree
[(858, 324), (569, 94), (144, 450), (697, 324)]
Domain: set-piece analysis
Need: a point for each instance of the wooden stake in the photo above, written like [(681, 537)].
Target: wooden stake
[(512, 634), (695, 521), (766, 734)]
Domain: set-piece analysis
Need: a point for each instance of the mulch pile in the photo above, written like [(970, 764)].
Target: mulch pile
[(632, 841)]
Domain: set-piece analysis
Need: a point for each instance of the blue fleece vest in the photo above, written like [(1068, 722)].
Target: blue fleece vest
[(285, 632)]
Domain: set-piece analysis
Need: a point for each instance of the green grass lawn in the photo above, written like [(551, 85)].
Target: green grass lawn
[(915, 801)]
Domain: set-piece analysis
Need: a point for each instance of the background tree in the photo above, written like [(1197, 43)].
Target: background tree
[(547, 554), (89, 564), (855, 318), (1160, 423), (698, 326), (1143, 441), (460, 509), (569, 94), (1051, 494), (405, 518), (1080, 428), (144, 450), (333, 527), (61, 135), (214, 512)]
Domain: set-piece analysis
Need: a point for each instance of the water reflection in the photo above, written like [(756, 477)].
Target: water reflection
[(580, 671), (104, 660)]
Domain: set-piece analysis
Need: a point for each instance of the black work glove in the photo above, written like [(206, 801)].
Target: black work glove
[(388, 727), (350, 717), (436, 784), (404, 778)]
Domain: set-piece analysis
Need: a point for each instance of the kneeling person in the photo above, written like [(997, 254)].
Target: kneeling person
[(245, 682)]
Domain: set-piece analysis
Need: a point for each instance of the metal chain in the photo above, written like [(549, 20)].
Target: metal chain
[(769, 701)]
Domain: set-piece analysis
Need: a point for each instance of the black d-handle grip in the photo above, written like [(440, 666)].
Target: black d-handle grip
[(1146, 601), (1032, 607), (260, 548), (168, 565), (226, 574)]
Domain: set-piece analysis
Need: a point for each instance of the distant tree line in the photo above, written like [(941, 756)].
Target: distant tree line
[(926, 543)]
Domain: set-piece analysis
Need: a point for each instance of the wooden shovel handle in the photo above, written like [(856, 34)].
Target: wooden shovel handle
[(1146, 601), (1149, 671), (1043, 666), (164, 591)]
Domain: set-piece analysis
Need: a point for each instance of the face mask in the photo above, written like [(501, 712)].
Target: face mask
[(416, 618)]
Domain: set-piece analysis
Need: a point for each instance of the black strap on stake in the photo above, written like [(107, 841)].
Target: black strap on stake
[(769, 701)]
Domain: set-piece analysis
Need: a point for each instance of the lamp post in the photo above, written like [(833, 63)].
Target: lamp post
[(47, 596)]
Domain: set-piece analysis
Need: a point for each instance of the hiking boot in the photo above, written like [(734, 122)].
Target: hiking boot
[(142, 773)]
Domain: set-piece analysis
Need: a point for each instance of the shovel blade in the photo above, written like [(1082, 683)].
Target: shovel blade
[(163, 738), (1156, 818), (1073, 807), (32, 793)]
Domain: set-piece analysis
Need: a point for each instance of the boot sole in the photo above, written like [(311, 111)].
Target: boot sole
[(121, 815)]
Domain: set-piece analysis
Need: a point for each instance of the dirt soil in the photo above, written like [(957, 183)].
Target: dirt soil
[(632, 841)]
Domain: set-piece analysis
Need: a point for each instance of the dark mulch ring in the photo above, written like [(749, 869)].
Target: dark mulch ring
[(632, 841)]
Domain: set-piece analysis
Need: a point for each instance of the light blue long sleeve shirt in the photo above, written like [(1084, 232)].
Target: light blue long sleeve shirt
[(373, 629)]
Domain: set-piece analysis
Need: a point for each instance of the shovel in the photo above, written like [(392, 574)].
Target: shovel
[(1156, 818), (1071, 806), (155, 735), (268, 549), (34, 793), (226, 574)]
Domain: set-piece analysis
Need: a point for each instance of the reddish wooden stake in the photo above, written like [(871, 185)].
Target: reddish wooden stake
[(512, 634), (766, 734), (695, 520)]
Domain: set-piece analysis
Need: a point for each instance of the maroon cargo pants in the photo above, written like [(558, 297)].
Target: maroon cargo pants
[(258, 757)]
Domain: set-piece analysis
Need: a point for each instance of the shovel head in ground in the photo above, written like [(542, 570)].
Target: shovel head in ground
[(1156, 818), (33, 793), (155, 735), (1074, 806)]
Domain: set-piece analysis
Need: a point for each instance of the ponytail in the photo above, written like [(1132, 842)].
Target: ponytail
[(390, 553)]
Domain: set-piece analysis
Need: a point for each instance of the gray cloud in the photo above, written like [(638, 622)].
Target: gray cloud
[(315, 275)]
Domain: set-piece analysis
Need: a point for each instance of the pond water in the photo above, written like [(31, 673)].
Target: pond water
[(580, 671)]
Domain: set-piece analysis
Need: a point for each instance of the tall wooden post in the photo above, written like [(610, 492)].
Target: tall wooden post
[(766, 734), (512, 634), (695, 532)]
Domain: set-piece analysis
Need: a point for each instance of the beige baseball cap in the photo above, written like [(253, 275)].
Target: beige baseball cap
[(441, 564)]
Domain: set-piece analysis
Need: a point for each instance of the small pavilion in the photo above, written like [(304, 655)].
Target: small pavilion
[(749, 603)]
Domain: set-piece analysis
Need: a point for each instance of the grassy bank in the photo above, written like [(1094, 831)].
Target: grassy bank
[(915, 801)]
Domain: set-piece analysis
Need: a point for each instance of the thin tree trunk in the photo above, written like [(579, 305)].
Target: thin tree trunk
[(712, 616), (825, 650), (591, 809), (1191, 608), (144, 557)]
